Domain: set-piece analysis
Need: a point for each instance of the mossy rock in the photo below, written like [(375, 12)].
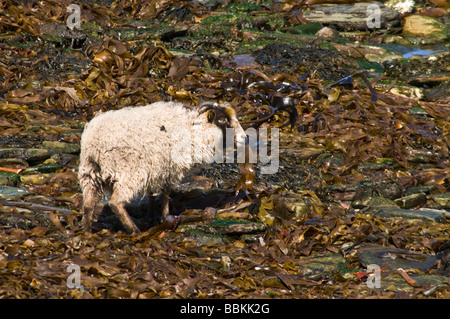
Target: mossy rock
[(9, 178)]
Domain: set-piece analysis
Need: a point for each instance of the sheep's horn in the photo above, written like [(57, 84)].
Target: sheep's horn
[(205, 106)]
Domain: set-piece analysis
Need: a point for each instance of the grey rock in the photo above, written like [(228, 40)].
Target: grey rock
[(12, 193), (423, 214), (351, 16), (394, 258)]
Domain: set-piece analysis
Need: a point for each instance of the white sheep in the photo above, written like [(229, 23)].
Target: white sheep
[(139, 151)]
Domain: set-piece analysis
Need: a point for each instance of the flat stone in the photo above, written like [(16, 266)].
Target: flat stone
[(27, 154), (425, 27), (61, 147), (351, 16), (394, 258), (9, 178), (443, 200), (395, 282), (325, 264), (12, 193), (411, 201), (435, 215)]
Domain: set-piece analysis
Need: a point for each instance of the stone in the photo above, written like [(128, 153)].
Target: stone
[(320, 265), (9, 179), (327, 32), (402, 6), (442, 200), (395, 282), (374, 202), (429, 29), (61, 147), (43, 168), (32, 155), (12, 193), (411, 201), (392, 258), (352, 16), (435, 215)]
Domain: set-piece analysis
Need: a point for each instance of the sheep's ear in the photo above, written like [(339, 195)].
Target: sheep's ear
[(211, 115)]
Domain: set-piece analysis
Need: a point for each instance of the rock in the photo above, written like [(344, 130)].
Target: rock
[(402, 6), (31, 155), (61, 147), (351, 16), (396, 283), (435, 215), (320, 265), (44, 168), (409, 92), (229, 227), (12, 193), (327, 32), (394, 258), (428, 29), (374, 202), (442, 200), (13, 163), (9, 179), (411, 200)]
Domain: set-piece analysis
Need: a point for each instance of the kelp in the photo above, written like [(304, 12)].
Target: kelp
[(298, 233)]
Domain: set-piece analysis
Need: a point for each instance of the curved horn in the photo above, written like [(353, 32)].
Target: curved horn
[(205, 106)]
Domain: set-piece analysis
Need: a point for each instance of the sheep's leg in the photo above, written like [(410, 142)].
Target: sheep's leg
[(151, 205), (118, 208), (165, 199), (90, 199)]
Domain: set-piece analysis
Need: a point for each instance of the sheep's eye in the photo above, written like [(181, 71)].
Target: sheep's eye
[(211, 116)]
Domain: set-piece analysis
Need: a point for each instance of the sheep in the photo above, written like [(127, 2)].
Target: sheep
[(135, 151)]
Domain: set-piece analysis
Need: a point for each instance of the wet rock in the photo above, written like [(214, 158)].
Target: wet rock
[(31, 155), (351, 16), (16, 163), (423, 214), (327, 32), (429, 30), (405, 68), (411, 201), (318, 266), (9, 179), (13, 193), (402, 6), (394, 258), (43, 168), (357, 51), (410, 92), (61, 147), (441, 200), (229, 227), (374, 203), (64, 36), (364, 190), (426, 189), (396, 283)]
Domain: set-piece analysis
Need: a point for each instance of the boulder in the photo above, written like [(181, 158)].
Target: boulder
[(428, 29), (350, 17)]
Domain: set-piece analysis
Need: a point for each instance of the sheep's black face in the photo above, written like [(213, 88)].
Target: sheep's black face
[(223, 117), (219, 116)]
